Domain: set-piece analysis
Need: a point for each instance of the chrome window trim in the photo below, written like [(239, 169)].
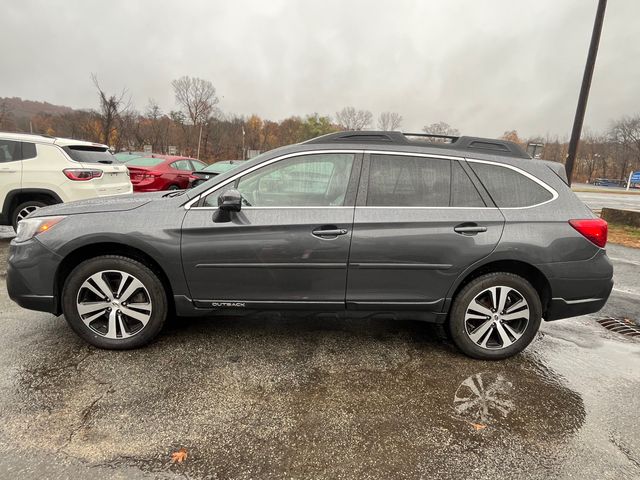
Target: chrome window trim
[(554, 193)]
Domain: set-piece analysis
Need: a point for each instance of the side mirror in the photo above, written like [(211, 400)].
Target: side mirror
[(230, 201)]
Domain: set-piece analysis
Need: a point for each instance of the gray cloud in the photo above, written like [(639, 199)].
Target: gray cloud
[(484, 67)]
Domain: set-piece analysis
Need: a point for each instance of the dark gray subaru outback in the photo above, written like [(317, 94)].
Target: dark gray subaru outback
[(467, 232)]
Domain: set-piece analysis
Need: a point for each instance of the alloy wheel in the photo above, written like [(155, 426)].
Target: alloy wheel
[(23, 213), (114, 304), (497, 317)]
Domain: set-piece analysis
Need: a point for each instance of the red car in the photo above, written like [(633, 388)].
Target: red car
[(161, 172)]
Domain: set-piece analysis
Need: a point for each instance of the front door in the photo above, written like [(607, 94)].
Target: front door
[(289, 244), (419, 222)]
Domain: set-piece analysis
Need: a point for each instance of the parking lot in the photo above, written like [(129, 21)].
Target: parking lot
[(276, 397), (597, 198)]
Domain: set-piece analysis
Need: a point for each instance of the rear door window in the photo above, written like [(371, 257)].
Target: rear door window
[(509, 188), (10, 151), (89, 154), (182, 165), (407, 181), (463, 191)]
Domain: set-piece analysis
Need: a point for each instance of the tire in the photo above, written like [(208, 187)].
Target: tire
[(173, 187), (23, 210), (119, 326), (482, 333)]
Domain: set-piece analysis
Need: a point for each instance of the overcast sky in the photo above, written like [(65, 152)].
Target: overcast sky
[(482, 66)]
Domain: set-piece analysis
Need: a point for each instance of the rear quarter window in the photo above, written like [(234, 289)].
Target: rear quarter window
[(28, 150), (509, 188)]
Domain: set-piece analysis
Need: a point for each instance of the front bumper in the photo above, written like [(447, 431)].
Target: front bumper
[(31, 270)]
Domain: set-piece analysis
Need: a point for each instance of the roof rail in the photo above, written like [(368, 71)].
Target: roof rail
[(473, 144)]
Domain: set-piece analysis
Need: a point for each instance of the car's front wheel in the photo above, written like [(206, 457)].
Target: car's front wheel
[(114, 302), (23, 210), (495, 316)]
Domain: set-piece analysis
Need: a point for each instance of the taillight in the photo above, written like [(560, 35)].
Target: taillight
[(82, 174), (593, 229)]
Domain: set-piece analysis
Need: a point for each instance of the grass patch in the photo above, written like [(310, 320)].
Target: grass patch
[(624, 235)]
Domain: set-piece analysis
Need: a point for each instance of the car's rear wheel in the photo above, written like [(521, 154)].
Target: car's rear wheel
[(495, 316), (23, 210), (173, 187), (114, 302)]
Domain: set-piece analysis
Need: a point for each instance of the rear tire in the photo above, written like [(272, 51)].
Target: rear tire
[(173, 187), (495, 316), (114, 302), (24, 209)]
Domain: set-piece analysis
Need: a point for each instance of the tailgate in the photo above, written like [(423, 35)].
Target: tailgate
[(114, 179)]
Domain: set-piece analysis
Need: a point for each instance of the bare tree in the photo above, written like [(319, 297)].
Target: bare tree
[(351, 119), (111, 107), (196, 97), (441, 128), (157, 127), (389, 121), (4, 112)]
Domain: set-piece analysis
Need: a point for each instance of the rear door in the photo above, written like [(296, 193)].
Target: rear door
[(181, 169), (287, 246), (419, 222)]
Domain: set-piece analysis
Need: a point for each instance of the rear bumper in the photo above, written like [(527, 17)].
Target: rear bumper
[(578, 288), (31, 271), (561, 308)]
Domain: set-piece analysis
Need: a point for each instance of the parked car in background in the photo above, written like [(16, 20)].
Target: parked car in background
[(39, 170), (608, 182), (161, 172), (472, 234), (124, 157), (210, 171)]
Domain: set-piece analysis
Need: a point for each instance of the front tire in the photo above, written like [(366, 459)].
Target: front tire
[(24, 209), (114, 302), (495, 316)]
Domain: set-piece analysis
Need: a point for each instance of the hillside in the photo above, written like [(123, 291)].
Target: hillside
[(20, 108)]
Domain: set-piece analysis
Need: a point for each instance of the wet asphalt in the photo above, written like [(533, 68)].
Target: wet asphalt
[(279, 397)]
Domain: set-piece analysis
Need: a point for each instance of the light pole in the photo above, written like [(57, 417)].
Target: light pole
[(584, 90), (199, 140), (243, 150)]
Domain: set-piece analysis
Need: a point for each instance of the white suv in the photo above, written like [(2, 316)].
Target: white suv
[(39, 170)]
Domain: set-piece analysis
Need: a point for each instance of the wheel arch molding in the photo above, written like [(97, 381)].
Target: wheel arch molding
[(171, 279), (19, 195), (507, 264)]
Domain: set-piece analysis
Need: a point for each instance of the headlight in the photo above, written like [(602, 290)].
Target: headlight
[(30, 227)]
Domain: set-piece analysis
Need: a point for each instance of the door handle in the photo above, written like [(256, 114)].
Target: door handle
[(469, 229), (329, 231)]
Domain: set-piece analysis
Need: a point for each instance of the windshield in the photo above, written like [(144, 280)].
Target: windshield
[(90, 154), (144, 162)]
